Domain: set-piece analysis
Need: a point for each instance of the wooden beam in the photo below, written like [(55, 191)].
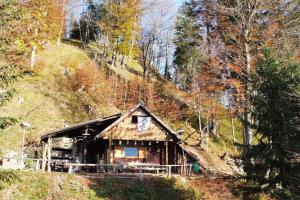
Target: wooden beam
[(84, 152), (45, 147), (175, 154), (167, 152), (37, 165), (161, 155), (109, 149), (49, 154)]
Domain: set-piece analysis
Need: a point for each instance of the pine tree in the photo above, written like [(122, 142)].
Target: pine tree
[(276, 103), (187, 41)]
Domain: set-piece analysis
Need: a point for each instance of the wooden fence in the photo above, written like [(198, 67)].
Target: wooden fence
[(140, 168)]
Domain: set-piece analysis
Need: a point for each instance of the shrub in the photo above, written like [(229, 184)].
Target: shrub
[(85, 77)]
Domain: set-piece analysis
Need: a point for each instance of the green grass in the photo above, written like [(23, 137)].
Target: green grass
[(36, 185), (159, 188), (133, 64), (49, 102), (224, 143)]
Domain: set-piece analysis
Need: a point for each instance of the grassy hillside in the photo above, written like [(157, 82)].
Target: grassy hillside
[(34, 186), (28, 185), (47, 101)]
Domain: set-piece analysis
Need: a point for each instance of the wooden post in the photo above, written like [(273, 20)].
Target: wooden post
[(37, 165), (183, 162), (169, 171), (175, 157), (109, 149), (49, 154), (70, 169), (167, 152), (84, 152), (190, 170), (161, 155), (45, 147), (140, 173)]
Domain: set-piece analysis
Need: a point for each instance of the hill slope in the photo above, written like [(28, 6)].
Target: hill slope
[(47, 101)]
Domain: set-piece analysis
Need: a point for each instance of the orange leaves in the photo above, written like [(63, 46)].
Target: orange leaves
[(85, 77), (213, 61), (235, 68)]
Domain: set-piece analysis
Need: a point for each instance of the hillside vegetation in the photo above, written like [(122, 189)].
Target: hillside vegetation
[(47, 100), (59, 186)]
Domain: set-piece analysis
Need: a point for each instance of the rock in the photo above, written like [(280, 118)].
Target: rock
[(235, 164), (20, 100)]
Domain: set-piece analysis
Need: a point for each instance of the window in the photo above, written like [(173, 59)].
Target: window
[(131, 151), (134, 119), (143, 123)]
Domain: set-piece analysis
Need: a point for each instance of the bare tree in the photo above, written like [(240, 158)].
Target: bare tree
[(157, 22)]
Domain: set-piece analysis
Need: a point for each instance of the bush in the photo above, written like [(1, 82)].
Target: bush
[(85, 77)]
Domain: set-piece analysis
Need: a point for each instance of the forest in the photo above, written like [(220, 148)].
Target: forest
[(224, 72)]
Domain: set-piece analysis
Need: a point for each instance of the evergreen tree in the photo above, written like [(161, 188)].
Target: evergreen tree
[(276, 110), (187, 41), (86, 29)]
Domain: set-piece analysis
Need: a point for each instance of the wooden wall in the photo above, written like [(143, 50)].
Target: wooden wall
[(146, 154), (127, 130)]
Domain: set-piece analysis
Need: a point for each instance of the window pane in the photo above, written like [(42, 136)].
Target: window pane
[(131, 151)]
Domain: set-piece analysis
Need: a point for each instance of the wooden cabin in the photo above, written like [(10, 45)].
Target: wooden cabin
[(137, 136)]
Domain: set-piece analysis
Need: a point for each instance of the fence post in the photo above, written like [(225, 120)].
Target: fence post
[(169, 171), (140, 173), (70, 169), (37, 165)]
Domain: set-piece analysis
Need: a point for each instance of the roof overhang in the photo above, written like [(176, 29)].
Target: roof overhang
[(77, 129), (141, 105)]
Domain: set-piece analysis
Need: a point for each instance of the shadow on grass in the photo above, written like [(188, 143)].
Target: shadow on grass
[(148, 189), (245, 191)]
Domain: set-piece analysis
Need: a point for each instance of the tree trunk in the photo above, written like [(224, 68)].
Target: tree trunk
[(125, 99), (167, 57), (232, 129), (247, 105), (114, 59), (62, 23), (214, 120), (207, 131), (199, 121), (123, 61), (33, 55), (105, 49), (116, 90)]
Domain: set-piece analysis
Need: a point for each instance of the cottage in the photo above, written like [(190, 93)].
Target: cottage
[(137, 136)]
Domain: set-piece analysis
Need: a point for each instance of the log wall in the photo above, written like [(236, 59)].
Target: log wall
[(127, 130)]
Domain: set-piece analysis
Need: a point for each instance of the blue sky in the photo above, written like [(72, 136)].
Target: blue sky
[(179, 2)]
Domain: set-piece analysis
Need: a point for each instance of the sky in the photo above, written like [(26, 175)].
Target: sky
[(179, 2)]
